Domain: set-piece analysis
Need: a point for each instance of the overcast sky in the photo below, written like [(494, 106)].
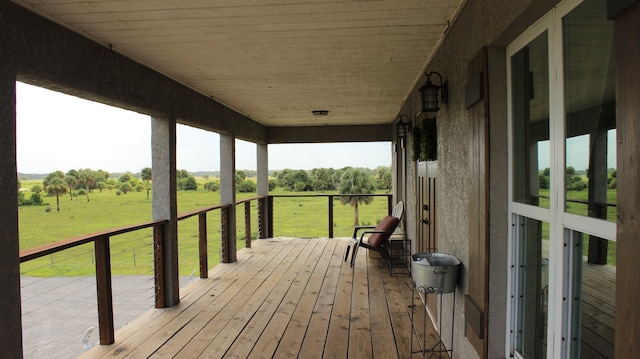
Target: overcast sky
[(60, 132)]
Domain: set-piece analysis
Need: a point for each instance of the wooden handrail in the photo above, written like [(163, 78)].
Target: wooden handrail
[(199, 211), (41, 251)]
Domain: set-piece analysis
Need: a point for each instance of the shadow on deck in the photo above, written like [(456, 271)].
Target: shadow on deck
[(283, 298)]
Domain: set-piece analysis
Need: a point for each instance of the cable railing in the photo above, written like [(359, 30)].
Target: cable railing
[(106, 253), (306, 218)]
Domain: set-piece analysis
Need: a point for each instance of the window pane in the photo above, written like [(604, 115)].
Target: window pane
[(594, 301), (530, 106), (533, 287), (590, 178)]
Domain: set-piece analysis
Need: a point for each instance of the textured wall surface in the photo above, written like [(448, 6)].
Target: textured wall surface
[(482, 23)]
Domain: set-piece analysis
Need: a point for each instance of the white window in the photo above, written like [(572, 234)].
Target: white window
[(562, 185)]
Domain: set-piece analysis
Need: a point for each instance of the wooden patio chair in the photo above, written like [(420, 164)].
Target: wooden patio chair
[(375, 238)]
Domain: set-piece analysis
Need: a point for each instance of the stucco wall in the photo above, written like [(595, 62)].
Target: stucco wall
[(482, 23)]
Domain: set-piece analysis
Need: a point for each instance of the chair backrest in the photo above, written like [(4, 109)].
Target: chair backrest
[(398, 210), (385, 228), (388, 224)]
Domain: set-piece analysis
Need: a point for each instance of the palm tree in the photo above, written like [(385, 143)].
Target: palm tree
[(87, 176), (72, 182), (58, 187), (146, 175), (355, 182)]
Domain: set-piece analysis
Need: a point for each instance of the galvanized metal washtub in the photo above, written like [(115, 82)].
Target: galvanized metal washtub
[(435, 272)]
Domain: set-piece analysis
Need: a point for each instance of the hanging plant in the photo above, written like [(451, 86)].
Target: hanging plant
[(425, 140), (416, 132)]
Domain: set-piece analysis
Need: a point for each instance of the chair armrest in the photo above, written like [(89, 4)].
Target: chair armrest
[(357, 228)]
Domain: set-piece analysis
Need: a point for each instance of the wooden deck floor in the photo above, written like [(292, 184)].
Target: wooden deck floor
[(284, 298)]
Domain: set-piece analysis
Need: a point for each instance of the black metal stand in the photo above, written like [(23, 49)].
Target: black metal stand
[(400, 253), (439, 347)]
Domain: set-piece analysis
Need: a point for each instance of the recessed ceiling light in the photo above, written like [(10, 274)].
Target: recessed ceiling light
[(320, 112)]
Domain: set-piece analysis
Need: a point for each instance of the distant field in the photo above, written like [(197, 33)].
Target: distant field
[(132, 252)]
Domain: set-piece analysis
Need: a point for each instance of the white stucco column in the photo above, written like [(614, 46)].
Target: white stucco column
[(263, 179), (163, 159), (10, 304), (262, 156), (228, 187)]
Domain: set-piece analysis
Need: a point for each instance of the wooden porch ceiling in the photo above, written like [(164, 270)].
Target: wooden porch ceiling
[(274, 61), (284, 298)]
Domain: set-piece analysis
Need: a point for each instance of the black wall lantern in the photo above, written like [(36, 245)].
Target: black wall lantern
[(429, 93), (401, 127)]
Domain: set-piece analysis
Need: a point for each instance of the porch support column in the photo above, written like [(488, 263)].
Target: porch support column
[(228, 189), (627, 55), (263, 179), (10, 312), (163, 160)]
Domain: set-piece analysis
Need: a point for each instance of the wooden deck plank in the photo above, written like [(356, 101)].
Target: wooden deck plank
[(314, 341), (248, 337), (274, 337), (337, 344), (202, 313), (282, 299), (147, 326), (233, 314), (360, 344), (383, 340)]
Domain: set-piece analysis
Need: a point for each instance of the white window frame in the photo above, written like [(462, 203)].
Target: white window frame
[(560, 222)]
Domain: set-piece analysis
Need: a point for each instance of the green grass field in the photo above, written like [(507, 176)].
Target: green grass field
[(132, 253)]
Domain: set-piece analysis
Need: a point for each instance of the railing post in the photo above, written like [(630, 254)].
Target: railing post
[(158, 265), (270, 216), (389, 204), (202, 245), (262, 225), (330, 216), (104, 291), (247, 223), (224, 232)]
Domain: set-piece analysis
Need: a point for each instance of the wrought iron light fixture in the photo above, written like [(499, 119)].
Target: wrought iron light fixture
[(401, 127), (429, 93)]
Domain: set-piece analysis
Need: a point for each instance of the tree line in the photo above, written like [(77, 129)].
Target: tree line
[(82, 182)]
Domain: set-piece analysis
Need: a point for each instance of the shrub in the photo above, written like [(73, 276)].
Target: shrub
[(212, 186), (300, 186), (81, 192), (273, 183), (187, 183), (247, 186), (126, 187)]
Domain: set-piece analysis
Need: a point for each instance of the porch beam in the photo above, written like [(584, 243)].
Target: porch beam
[(325, 134)]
